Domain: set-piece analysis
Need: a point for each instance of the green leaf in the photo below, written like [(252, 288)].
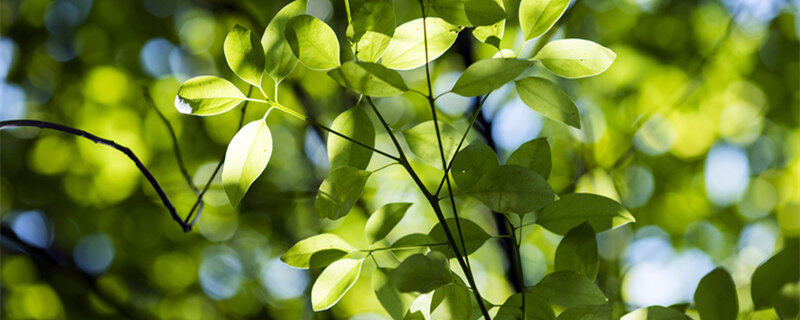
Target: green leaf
[(407, 49), (578, 252), (534, 155), (333, 283), (538, 16), (770, 278), (492, 34), (512, 189), (536, 307), (424, 144), (394, 302), (207, 96), (681, 307), (339, 192), (279, 57), (575, 58), (467, 13), (655, 313), (715, 297), (313, 42), (382, 221), (412, 239), (372, 28), (450, 301), (573, 209), (545, 97), (354, 123), (244, 55), (369, 79), (474, 236), (422, 273), (587, 312), (486, 75), (472, 162), (569, 289), (316, 252), (246, 158)]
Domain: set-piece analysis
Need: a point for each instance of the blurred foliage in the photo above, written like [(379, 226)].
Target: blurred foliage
[(694, 128)]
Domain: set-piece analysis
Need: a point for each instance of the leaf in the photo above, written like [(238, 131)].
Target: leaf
[(422, 273), (472, 162), (369, 79), (207, 96), (394, 302), (279, 57), (534, 155), (313, 42), (538, 16), (492, 34), (655, 313), (333, 283), (339, 192), (545, 97), (574, 209), (467, 13), (578, 252), (246, 158), (244, 55), (681, 307), (354, 123), (587, 312), (382, 221), (420, 308), (412, 239), (569, 289), (486, 75), (715, 297), (450, 301), (424, 144), (373, 27), (316, 252), (474, 236), (512, 189), (779, 271), (575, 58), (536, 307), (407, 49)]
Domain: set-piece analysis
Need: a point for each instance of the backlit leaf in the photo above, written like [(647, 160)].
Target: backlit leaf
[(422, 273), (715, 297), (467, 13), (354, 123), (279, 57), (372, 28), (370, 79), (449, 301), (424, 144), (207, 95), (574, 209), (534, 155), (770, 278), (587, 312), (569, 289), (244, 55), (382, 221), (339, 192), (317, 252), (395, 303), (472, 162), (578, 252), (333, 283), (313, 42), (247, 156), (538, 16), (545, 97), (486, 75), (474, 236), (575, 58), (512, 189), (536, 307), (492, 34), (655, 313), (407, 49)]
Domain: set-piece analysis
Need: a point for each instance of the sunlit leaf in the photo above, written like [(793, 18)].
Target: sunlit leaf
[(545, 97), (372, 28), (333, 283), (354, 123), (279, 57), (382, 221), (486, 75), (339, 192), (422, 273), (370, 79), (574, 209), (467, 13), (538, 16), (655, 313), (569, 289), (512, 189), (474, 236), (449, 301), (247, 156), (578, 252), (492, 34), (587, 312), (313, 42), (317, 252), (395, 303), (244, 55), (207, 95), (536, 307), (407, 49), (534, 155), (424, 144), (715, 297), (575, 58), (472, 162), (770, 278)]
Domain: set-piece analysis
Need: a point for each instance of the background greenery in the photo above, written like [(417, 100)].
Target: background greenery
[(694, 128)]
